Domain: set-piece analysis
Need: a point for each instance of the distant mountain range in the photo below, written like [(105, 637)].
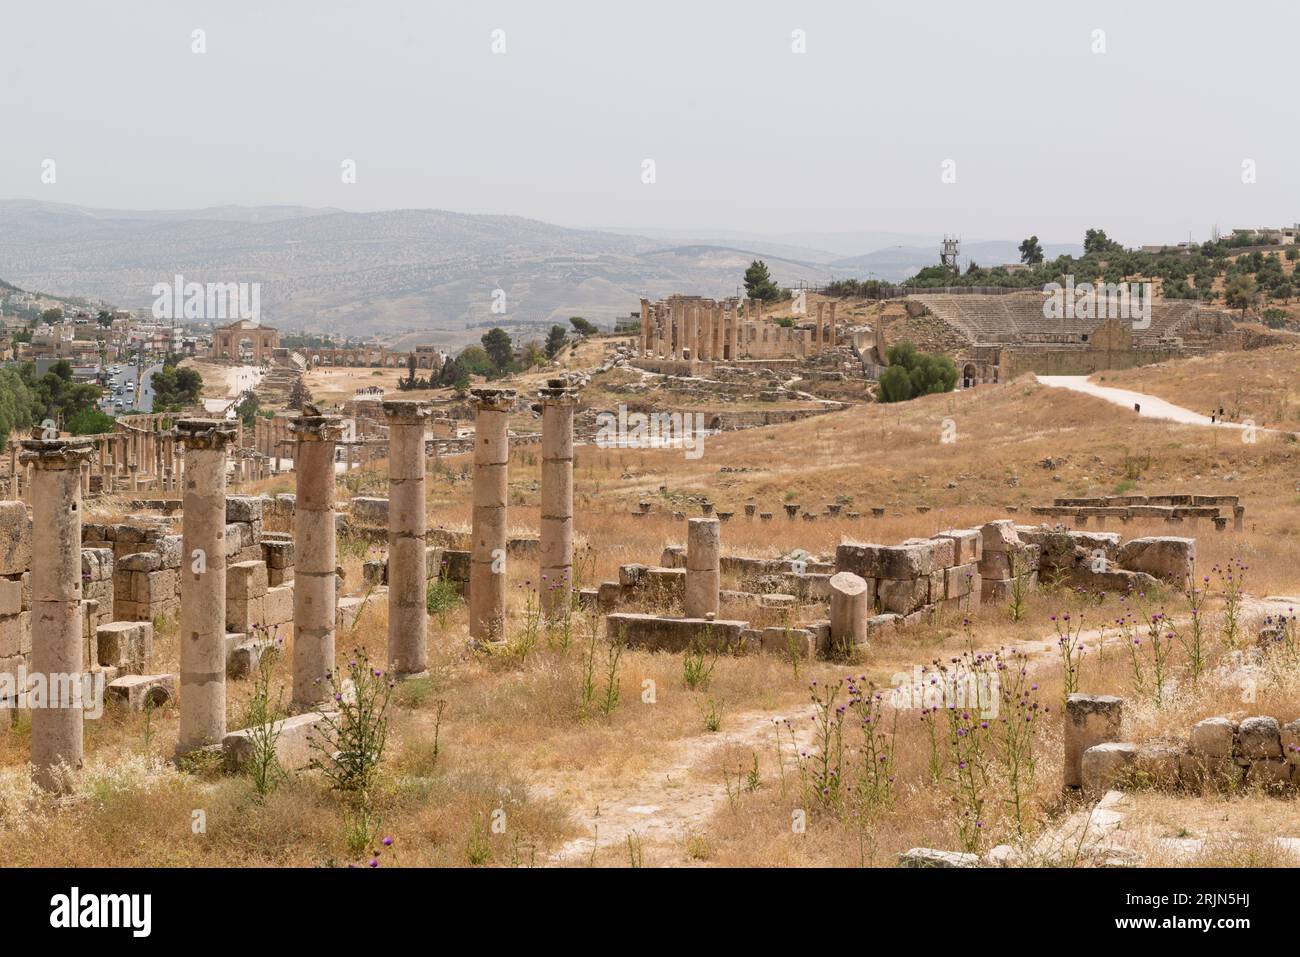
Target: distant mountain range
[(409, 276)]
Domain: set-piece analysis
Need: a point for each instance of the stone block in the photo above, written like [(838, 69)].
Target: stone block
[(277, 553), (246, 581), (655, 633), (139, 692), (1259, 738), (1089, 720), (125, 644), (11, 635), (784, 642), (293, 747), (150, 588), (243, 508), (932, 857), (902, 597), (629, 576), (96, 564), (374, 572), (1270, 774), (246, 655), (11, 598), (169, 551), (245, 616), (140, 562), (957, 580), (15, 538), (1166, 557), (999, 536), (1213, 739), (1290, 737), (278, 605), (968, 544), (1158, 765), (1106, 765), (943, 551), (369, 510)]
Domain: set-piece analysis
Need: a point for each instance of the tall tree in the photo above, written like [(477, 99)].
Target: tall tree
[(1241, 293), (499, 348), (759, 284), (1096, 241), (555, 341), (1031, 252)]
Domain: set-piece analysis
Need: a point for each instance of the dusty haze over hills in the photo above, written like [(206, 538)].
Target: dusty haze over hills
[(817, 138)]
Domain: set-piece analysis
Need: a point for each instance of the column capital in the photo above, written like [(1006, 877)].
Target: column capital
[(410, 411), (560, 391), (210, 434), (318, 428), (493, 400), (67, 453)]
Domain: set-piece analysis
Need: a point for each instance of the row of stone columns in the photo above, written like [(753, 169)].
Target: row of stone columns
[(710, 331), (681, 329), (57, 646)]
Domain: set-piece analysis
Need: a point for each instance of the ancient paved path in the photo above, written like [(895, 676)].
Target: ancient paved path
[(667, 804), (676, 798)]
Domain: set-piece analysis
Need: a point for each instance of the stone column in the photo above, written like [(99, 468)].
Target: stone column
[(559, 399), (487, 569), (645, 326), (850, 598), (408, 615), (703, 566), (13, 472), (315, 586), (57, 653), (706, 332), (1089, 720), (817, 327), (203, 582), (831, 340)]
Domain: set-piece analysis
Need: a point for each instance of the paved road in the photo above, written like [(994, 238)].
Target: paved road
[(128, 398), (1152, 407)]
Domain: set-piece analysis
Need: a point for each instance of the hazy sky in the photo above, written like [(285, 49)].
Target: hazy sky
[(1146, 140)]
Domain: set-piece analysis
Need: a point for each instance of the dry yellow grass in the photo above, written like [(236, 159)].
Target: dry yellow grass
[(513, 736)]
